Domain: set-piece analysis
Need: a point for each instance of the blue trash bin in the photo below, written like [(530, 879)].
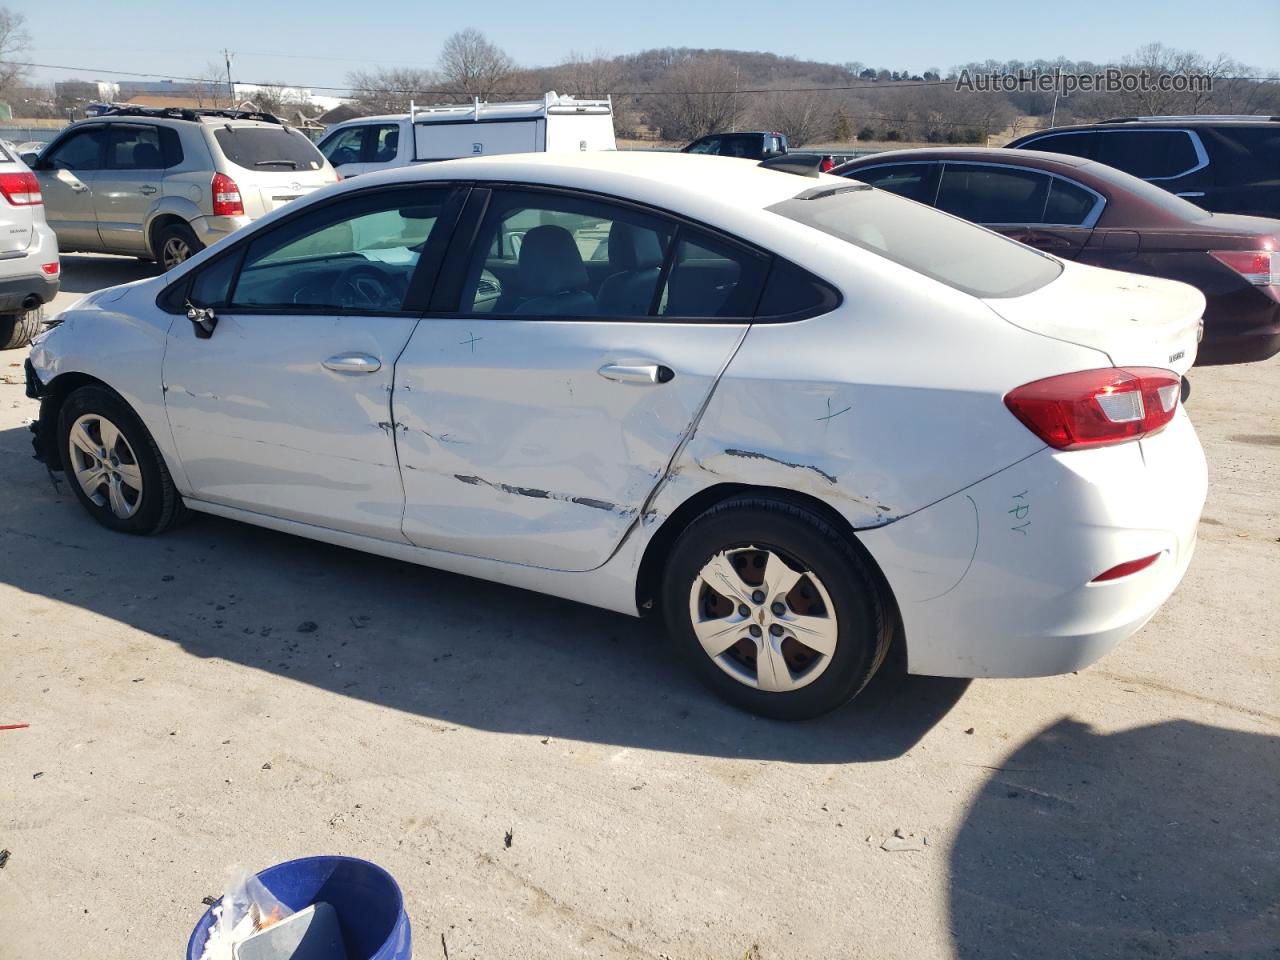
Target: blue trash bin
[(367, 900)]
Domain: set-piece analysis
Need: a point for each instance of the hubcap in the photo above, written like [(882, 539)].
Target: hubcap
[(765, 621), (175, 251), (105, 466)]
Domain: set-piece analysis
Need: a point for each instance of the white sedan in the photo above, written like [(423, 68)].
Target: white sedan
[(799, 418)]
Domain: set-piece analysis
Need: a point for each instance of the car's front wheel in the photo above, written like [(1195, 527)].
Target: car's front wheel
[(113, 465), (774, 608), (17, 329)]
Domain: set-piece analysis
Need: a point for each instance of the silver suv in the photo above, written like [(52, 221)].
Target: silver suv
[(164, 184), (28, 253)]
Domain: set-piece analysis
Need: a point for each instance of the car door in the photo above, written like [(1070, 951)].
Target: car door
[(67, 171), (285, 409), (1022, 203), (536, 416), (129, 183), (344, 149)]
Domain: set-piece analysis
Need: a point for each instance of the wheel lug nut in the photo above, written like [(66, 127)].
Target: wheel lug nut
[(743, 611), (776, 630), (755, 630), (758, 596), (779, 609)]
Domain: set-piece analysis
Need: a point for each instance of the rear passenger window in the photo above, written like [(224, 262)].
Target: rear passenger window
[(134, 147), (993, 194), (793, 294), (1069, 203), (910, 180), (1150, 154), (1072, 144), (710, 278)]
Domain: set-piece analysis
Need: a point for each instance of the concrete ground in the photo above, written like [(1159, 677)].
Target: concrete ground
[(545, 782)]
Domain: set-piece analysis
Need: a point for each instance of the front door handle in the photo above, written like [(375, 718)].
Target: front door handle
[(147, 189), (643, 373), (353, 363), (78, 187)]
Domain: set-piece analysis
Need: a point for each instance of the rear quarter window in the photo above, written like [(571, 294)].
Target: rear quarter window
[(944, 248), (268, 148)]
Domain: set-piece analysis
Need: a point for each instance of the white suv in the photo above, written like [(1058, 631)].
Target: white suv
[(28, 253), (164, 184)]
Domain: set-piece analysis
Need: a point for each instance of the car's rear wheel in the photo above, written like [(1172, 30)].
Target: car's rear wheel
[(113, 465), (17, 329), (774, 608), (176, 243)]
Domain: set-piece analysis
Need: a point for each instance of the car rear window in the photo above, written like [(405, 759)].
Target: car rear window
[(268, 148), (944, 248), (4, 155)]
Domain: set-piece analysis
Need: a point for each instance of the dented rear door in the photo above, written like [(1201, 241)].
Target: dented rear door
[(538, 439)]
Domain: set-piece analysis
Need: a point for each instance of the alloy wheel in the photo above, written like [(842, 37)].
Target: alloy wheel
[(764, 620), (174, 252), (104, 465)]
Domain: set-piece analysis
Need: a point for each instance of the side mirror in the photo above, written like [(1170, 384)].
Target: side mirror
[(203, 320), (31, 159)]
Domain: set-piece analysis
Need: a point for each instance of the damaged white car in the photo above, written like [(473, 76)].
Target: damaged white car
[(799, 418)]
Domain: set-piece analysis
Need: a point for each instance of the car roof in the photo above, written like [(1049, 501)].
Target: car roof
[(1158, 123), (708, 177), (994, 154)]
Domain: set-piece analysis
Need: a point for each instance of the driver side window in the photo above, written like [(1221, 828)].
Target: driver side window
[(354, 256)]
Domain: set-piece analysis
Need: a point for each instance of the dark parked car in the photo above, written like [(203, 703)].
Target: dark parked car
[(749, 144), (1224, 164), (1081, 210)]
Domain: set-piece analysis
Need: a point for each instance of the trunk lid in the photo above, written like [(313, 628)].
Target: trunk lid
[(272, 164), (1134, 320)]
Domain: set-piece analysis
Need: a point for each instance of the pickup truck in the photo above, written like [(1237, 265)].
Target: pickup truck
[(757, 145)]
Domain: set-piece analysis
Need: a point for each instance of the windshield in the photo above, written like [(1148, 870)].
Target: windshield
[(935, 244), (268, 148)]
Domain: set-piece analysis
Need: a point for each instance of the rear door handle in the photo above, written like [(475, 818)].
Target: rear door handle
[(643, 373), (353, 363), (147, 189)]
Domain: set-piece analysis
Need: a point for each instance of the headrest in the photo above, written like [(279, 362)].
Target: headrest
[(550, 262), (633, 248)]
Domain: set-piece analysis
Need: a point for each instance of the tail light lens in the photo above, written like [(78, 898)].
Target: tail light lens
[(1259, 267), (825, 165), (21, 189), (1094, 408), (226, 197)]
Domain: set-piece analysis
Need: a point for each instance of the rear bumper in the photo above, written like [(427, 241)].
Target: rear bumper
[(16, 293), (209, 230), (21, 278), (1242, 328), (995, 581)]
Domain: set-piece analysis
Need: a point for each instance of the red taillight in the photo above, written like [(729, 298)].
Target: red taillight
[(226, 197), (825, 165), (49, 269), (21, 189), (1092, 408), (1259, 267), (1125, 569)]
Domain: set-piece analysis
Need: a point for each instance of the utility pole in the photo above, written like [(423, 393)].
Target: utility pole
[(231, 87)]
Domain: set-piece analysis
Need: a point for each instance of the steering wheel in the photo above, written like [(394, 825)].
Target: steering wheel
[(368, 285)]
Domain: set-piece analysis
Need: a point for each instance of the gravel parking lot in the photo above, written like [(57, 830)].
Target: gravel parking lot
[(544, 781)]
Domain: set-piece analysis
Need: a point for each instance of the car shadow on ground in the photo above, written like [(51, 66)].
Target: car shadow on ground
[(85, 274), (1160, 841), (436, 644)]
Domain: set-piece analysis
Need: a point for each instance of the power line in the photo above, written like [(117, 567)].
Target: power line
[(866, 85)]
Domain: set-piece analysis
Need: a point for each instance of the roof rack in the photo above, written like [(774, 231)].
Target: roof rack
[(185, 113), (551, 103), (1192, 117)]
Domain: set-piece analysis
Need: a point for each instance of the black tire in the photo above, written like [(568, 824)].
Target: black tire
[(17, 329), (806, 542), (178, 234), (159, 505)]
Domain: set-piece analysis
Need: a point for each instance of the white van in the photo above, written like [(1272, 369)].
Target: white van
[(425, 134)]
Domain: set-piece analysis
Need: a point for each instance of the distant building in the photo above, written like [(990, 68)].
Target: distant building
[(86, 90)]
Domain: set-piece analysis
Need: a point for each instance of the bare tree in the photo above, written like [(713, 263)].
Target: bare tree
[(596, 76), (14, 41), (274, 98), (471, 66), (695, 97), (804, 116), (211, 89), (389, 89)]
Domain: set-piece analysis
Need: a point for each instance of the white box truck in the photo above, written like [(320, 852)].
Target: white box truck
[(480, 128)]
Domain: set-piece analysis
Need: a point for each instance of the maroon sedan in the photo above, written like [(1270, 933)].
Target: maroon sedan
[(1083, 210)]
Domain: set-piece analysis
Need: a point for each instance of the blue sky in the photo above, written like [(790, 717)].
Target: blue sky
[(315, 44)]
